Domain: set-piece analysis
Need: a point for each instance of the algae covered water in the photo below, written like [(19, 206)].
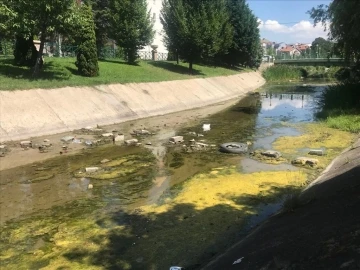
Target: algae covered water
[(159, 205)]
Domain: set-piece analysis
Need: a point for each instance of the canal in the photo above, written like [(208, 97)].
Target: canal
[(161, 204)]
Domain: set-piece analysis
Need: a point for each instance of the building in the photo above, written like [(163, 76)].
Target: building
[(289, 51)]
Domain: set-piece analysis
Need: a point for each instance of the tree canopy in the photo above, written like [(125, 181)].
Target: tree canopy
[(342, 18), (245, 48), (131, 26), (221, 31)]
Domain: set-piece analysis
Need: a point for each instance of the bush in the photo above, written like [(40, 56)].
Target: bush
[(86, 58), (341, 106), (283, 73)]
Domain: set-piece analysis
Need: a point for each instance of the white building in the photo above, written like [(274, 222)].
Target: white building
[(154, 6)]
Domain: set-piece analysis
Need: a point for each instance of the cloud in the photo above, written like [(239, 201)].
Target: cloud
[(298, 32)]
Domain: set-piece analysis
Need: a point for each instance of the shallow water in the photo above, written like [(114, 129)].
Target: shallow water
[(45, 196)]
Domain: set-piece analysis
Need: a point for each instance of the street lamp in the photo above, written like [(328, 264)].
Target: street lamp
[(317, 50)]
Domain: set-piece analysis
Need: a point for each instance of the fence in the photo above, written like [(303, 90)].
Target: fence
[(52, 49)]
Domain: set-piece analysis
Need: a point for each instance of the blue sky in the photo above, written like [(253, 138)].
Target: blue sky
[(286, 20)]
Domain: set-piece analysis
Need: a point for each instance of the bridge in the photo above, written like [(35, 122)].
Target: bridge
[(313, 62)]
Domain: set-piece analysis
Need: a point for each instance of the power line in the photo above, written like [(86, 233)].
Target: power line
[(279, 23)]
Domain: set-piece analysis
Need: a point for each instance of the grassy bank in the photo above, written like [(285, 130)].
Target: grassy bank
[(282, 73), (62, 72), (340, 106)]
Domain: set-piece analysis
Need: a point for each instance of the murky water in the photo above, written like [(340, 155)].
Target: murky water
[(41, 202)]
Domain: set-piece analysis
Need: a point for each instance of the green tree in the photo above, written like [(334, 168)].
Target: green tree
[(196, 30), (344, 19), (131, 26), (40, 17), (321, 48), (84, 35), (102, 19), (246, 47)]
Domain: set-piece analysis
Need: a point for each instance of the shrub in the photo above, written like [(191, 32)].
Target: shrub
[(86, 58)]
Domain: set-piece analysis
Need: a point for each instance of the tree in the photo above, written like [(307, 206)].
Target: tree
[(321, 48), (102, 19), (196, 30), (246, 46), (84, 35), (344, 19), (131, 26), (40, 17)]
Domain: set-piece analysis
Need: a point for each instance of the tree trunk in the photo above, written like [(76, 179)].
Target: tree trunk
[(39, 59), (191, 67)]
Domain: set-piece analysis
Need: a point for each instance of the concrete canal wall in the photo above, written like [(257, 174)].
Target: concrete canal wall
[(37, 112)]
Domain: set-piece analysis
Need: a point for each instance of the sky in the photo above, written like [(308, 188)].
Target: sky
[(287, 20)]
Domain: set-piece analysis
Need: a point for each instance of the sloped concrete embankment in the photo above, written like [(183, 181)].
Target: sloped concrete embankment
[(321, 230), (38, 112)]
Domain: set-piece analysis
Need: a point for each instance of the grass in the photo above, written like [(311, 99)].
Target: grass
[(340, 106), (349, 123), (62, 72), (281, 73)]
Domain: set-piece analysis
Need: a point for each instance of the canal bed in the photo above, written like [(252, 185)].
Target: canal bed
[(159, 205)]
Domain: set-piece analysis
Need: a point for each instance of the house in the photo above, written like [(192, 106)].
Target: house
[(289, 51), (266, 44)]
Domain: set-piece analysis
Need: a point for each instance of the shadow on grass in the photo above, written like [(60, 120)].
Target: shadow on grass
[(174, 68), (49, 72), (119, 61), (183, 235)]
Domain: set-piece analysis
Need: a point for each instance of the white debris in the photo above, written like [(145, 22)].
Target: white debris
[(119, 138), (109, 134), (91, 169), (177, 139), (131, 141), (206, 127), (238, 260), (90, 186)]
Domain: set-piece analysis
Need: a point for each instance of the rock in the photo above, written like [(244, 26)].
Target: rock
[(203, 145), (177, 139), (46, 140), (109, 134), (3, 148), (305, 161), (316, 152), (67, 139), (141, 132), (88, 143), (131, 141), (91, 169), (271, 153), (148, 143), (105, 160), (26, 143)]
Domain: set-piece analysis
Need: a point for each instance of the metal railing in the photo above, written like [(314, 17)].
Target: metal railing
[(52, 49)]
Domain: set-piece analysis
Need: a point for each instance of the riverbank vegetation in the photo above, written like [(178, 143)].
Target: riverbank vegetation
[(60, 72), (284, 73), (340, 106)]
